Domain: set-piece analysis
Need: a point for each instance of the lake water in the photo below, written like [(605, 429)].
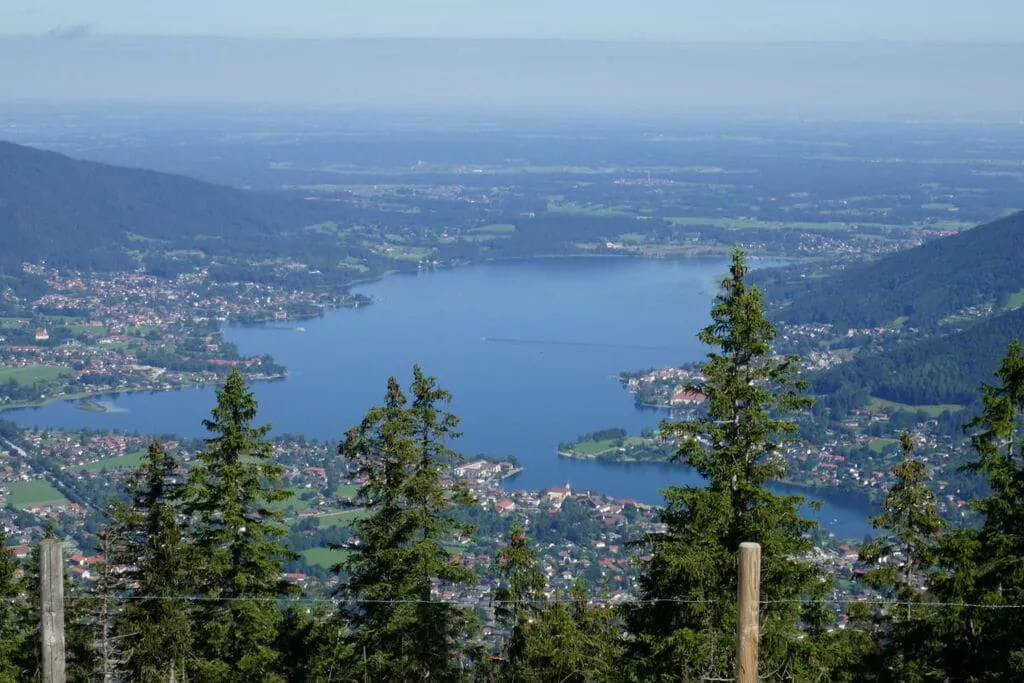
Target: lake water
[(530, 349)]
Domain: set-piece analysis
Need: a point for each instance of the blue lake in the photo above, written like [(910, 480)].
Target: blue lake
[(530, 349)]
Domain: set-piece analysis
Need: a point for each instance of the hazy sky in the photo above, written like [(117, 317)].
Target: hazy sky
[(934, 59), (795, 80), (673, 20)]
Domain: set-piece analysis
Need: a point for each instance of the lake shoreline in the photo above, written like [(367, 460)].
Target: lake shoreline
[(809, 491), (25, 405), (515, 399)]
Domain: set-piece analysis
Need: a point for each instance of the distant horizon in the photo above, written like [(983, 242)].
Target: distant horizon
[(68, 33), (787, 80), (420, 118)]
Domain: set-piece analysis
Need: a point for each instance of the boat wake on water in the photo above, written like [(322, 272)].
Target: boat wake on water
[(567, 342)]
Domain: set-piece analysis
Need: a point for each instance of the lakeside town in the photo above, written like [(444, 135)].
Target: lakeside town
[(130, 332), (853, 455), (94, 335), (63, 480)]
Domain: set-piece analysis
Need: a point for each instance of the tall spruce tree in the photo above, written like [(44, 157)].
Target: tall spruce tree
[(399, 629), (14, 613), (572, 641), (310, 643), (900, 562), (967, 640), (518, 601), (235, 538), (152, 569), (910, 517), (551, 640), (685, 627), (106, 604)]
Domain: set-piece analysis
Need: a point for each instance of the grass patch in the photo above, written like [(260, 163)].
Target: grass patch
[(949, 224), (577, 209), (119, 346), (129, 461), (91, 406), (347, 491), (931, 410), (97, 330), (634, 237), (594, 447), (30, 374), (496, 229), (323, 557), (408, 253), (292, 504), (35, 492), (881, 445), (327, 227), (1015, 300), (50, 320), (343, 518), (352, 265), (13, 323), (746, 223)]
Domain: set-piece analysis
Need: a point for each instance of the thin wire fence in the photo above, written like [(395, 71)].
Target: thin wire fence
[(594, 602)]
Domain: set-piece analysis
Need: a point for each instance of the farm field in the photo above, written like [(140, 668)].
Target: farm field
[(36, 492)]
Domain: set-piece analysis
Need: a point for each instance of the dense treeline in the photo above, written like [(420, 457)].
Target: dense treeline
[(924, 284), (192, 586)]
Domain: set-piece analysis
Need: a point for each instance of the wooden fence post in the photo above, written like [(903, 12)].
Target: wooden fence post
[(749, 603), (51, 614)]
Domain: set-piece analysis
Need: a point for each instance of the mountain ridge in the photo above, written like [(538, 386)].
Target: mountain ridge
[(92, 216), (943, 359), (922, 285)]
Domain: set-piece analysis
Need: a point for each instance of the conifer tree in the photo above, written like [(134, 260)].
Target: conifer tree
[(519, 599), (14, 631), (399, 630), (900, 562), (105, 605), (148, 557), (687, 629), (235, 537), (911, 518), (985, 566), (572, 641), (309, 641), (557, 640)]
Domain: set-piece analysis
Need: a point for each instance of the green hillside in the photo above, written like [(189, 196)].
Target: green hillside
[(87, 215), (924, 284), (942, 369)]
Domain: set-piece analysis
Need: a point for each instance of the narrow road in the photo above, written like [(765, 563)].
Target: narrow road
[(17, 449)]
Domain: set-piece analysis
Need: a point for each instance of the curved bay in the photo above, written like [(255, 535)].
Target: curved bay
[(530, 350)]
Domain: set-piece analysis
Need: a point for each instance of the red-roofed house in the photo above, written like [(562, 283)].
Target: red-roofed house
[(682, 397)]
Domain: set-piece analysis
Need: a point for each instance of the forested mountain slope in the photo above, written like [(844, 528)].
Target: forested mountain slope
[(924, 284), (942, 369), (87, 215)]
